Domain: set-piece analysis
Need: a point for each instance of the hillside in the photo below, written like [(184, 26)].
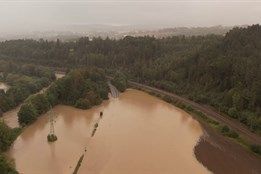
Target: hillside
[(221, 71), (226, 75)]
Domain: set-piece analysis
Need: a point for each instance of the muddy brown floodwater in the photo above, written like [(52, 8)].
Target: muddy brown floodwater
[(138, 133)]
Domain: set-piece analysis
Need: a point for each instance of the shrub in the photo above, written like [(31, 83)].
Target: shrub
[(256, 148), (225, 129), (167, 99), (83, 104), (27, 114), (233, 112), (7, 165), (51, 138), (233, 134), (120, 81)]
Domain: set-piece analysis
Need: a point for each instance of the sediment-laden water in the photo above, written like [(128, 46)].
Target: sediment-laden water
[(138, 133)]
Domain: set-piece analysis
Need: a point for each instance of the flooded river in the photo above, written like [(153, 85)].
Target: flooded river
[(138, 133)]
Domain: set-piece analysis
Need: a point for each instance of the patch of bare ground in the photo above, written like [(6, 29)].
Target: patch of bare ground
[(222, 155)]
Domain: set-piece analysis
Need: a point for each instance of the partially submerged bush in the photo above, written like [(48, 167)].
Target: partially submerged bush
[(227, 132), (93, 132), (256, 148), (232, 134), (51, 138), (225, 129)]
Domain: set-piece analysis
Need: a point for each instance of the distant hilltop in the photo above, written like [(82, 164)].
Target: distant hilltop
[(193, 31), (73, 32)]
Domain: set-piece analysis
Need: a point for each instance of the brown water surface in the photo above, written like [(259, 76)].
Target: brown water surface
[(137, 134)]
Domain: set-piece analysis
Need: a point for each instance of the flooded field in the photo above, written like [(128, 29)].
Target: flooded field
[(138, 133)]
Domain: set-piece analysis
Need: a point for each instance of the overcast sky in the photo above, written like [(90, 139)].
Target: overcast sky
[(18, 15)]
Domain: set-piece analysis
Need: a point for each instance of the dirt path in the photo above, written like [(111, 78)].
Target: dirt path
[(233, 124)]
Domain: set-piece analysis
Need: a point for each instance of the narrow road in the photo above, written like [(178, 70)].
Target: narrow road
[(233, 124), (114, 91)]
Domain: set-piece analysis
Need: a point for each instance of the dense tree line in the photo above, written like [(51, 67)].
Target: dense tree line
[(82, 88), (120, 81), (7, 137), (221, 71), (9, 66), (24, 81), (225, 75), (98, 52)]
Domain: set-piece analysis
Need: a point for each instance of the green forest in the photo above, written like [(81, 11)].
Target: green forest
[(82, 88), (24, 79), (220, 71), (7, 137)]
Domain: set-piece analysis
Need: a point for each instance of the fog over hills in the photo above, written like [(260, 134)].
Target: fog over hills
[(116, 32), (24, 17)]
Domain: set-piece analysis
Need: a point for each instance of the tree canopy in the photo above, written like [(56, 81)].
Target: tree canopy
[(221, 71), (82, 88)]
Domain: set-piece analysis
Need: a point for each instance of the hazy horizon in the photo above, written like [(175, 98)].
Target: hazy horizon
[(39, 15)]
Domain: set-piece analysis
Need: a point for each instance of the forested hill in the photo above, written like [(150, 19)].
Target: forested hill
[(234, 64), (226, 75), (222, 71), (98, 52)]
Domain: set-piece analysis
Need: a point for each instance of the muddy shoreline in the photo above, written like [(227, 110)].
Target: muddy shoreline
[(221, 155)]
